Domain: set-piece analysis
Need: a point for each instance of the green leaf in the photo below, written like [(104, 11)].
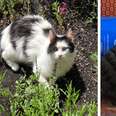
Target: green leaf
[(1, 108)]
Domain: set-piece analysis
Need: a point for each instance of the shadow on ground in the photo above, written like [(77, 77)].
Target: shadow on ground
[(73, 76)]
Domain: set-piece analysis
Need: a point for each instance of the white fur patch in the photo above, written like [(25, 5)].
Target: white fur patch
[(61, 44), (60, 35), (64, 65)]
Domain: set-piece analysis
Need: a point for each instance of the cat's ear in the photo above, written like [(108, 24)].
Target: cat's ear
[(51, 35), (70, 34)]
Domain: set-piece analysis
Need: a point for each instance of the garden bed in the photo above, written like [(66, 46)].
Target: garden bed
[(84, 72)]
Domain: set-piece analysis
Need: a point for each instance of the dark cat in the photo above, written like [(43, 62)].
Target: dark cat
[(108, 75)]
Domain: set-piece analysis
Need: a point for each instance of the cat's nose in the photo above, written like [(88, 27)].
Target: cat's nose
[(60, 56)]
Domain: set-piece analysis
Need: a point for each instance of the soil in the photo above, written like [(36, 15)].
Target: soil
[(83, 74)]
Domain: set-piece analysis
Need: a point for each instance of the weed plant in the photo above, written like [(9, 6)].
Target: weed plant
[(34, 99)]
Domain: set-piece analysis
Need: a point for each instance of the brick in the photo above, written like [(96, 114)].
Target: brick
[(103, 13), (107, 13), (111, 1), (111, 13), (103, 8), (114, 14), (111, 9), (103, 1), (114, 4), (108, 4), (108, 7), (111, 4)]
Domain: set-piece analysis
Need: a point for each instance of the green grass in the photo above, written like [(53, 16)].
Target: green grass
[(33, 99), (1, 108), (93, 57), (4, 92)]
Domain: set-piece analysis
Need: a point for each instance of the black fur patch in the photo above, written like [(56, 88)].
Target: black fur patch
[(25, 47), (0, 41), (21, 28), (52, 47), (46, 31), (14, 44)]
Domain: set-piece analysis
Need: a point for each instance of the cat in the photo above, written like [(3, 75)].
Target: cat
[(32, 39), (108, 76)]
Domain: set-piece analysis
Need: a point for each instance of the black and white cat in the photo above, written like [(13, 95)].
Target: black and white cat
[(32, 39)]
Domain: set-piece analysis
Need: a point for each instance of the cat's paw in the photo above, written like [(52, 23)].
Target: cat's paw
[(43, 80), (15, 67)]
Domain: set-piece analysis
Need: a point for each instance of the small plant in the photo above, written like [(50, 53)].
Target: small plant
[(92, 109), (1, 108), (7, 6), (93, 57), (33, 99), (14, 8), (71, 108), (72, 97), (92, 18), (58, 11), (4, 92)]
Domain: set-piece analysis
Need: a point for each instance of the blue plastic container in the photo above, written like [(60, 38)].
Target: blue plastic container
[(108, 34)]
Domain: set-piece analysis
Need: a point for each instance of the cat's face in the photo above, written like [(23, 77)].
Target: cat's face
[(61, 46)]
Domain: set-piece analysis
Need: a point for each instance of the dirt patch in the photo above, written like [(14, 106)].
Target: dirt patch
[(86, 44)]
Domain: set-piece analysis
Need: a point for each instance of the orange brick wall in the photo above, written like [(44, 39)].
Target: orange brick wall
[(108, 7)]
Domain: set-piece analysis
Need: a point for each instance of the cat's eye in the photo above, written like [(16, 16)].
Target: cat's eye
[(65, 48), (55, 48)]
